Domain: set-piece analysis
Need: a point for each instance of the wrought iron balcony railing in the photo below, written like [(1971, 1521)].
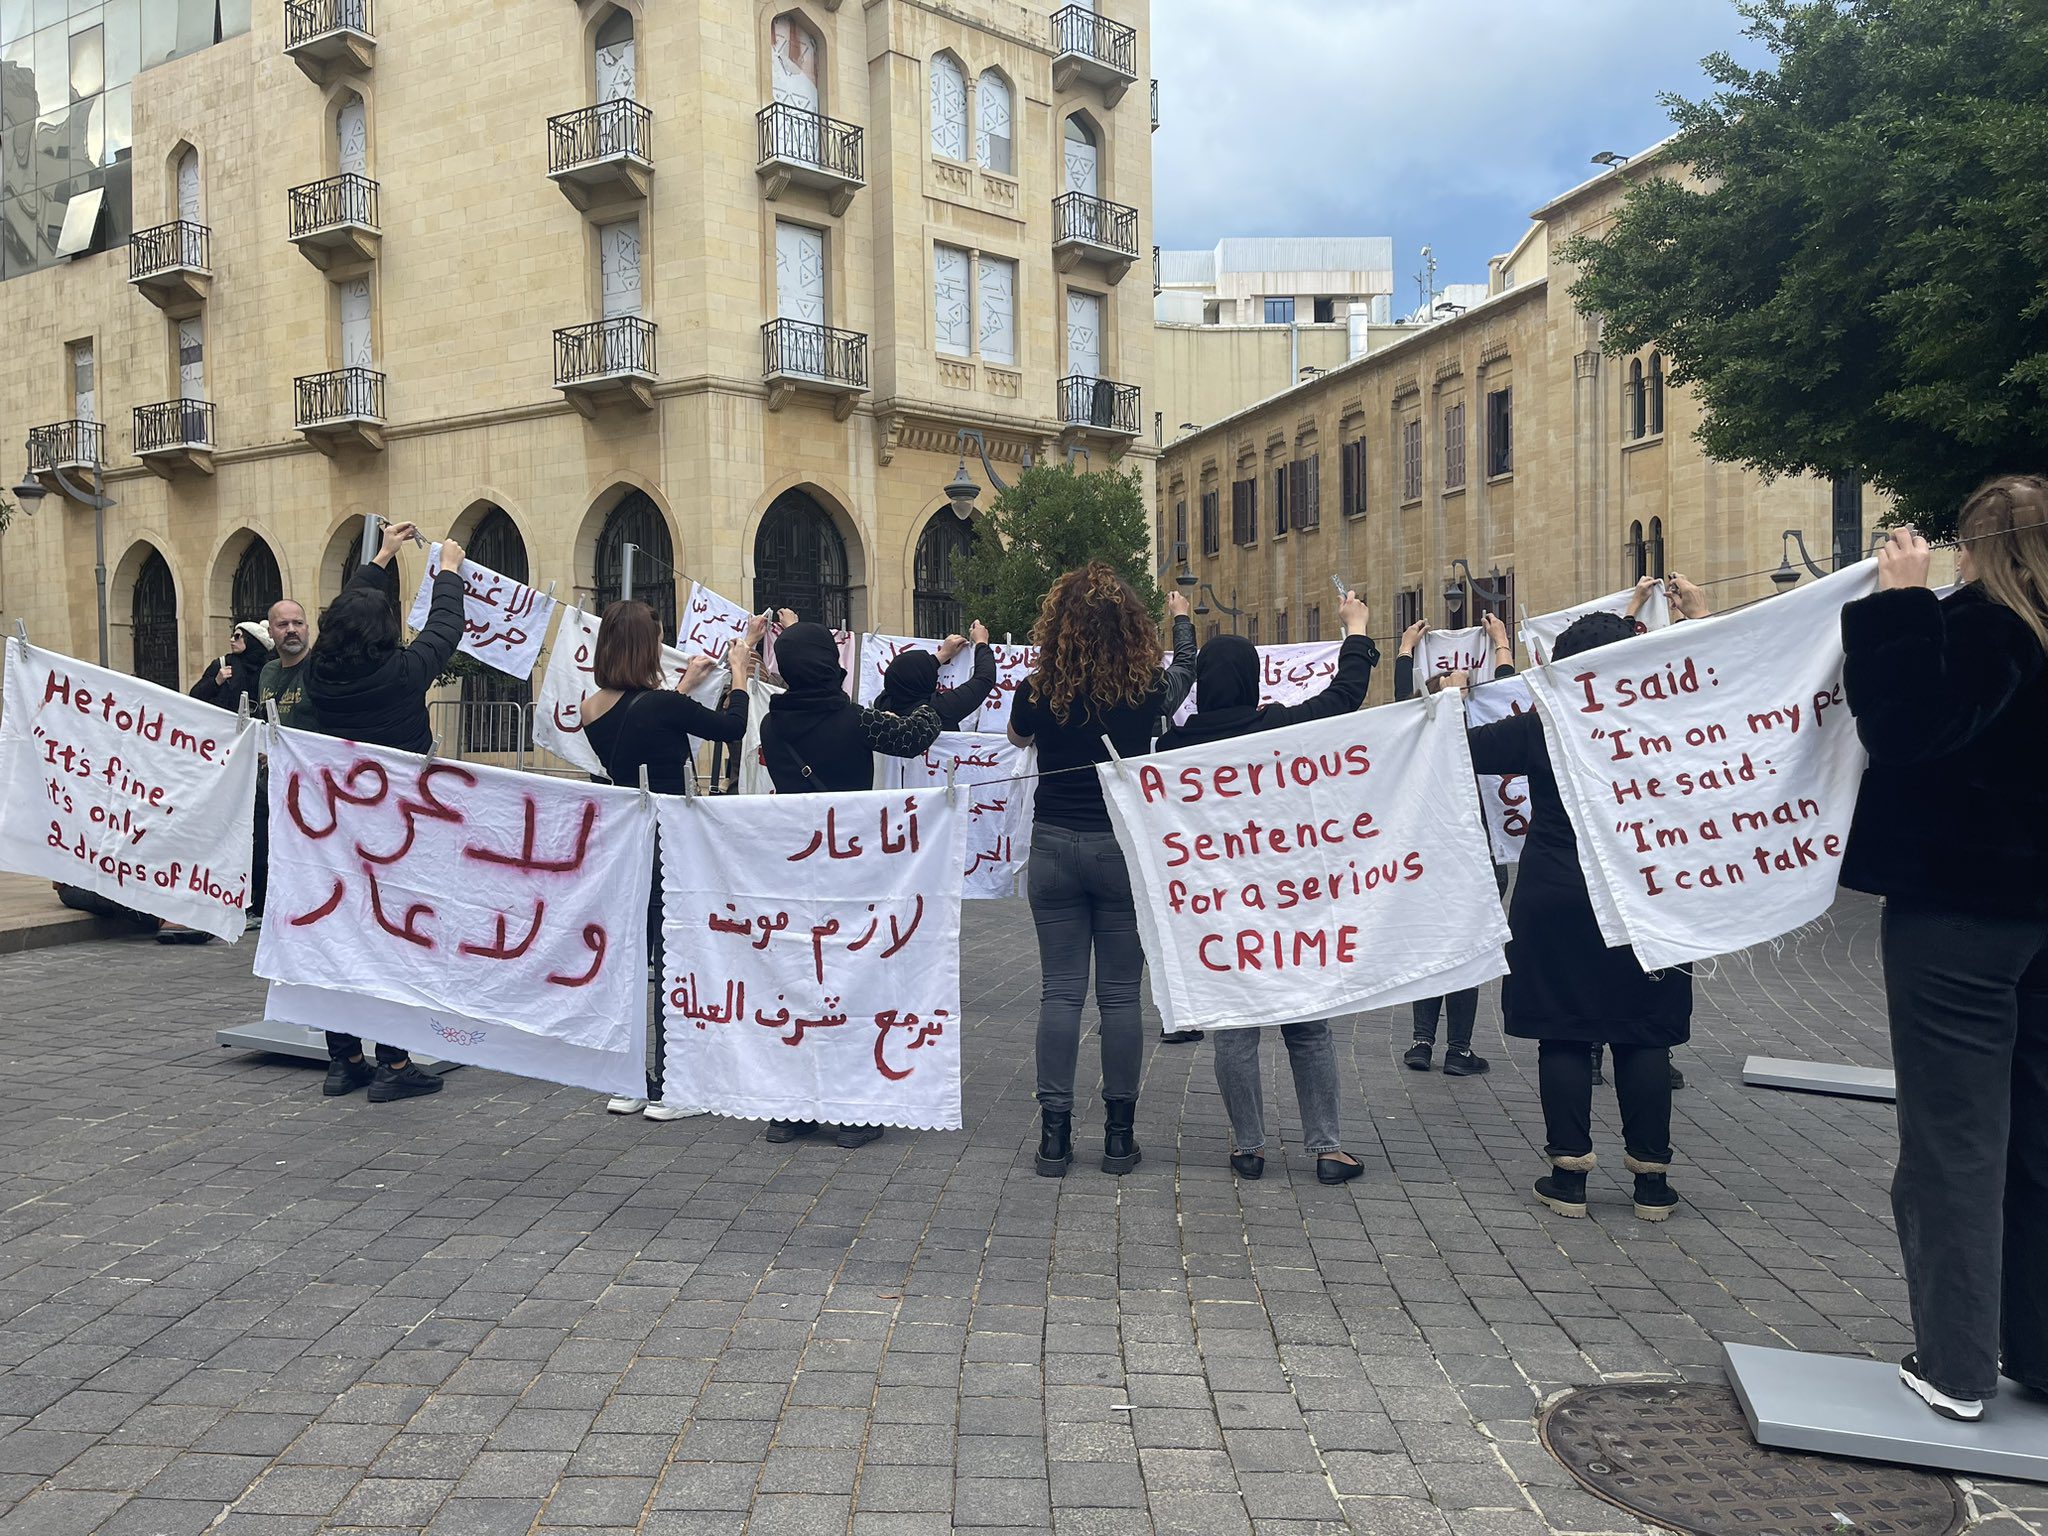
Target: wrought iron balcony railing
[(62, 444), (1099, 403), (307, 21), (809, 138), (178, 246), (1077, 29), (345, 201), (801, 349), (602, 132), (1155, 106), (622, 346), (173, 424), (342, 394), (1081, 219)]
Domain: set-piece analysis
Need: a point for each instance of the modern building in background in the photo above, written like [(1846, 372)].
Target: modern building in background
[(1493, 460), (722, 282)]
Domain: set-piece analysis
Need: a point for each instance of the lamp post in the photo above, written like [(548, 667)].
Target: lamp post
[(1493, 589), (961, 491), (1785, 576), (1202, 606), (31, 491), (1187, 577)]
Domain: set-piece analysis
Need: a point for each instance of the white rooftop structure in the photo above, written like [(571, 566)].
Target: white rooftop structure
[(1277, 280)]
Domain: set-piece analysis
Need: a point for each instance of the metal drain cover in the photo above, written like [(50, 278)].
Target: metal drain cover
[(1681, 1455)]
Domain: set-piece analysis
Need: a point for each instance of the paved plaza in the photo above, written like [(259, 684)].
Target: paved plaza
[(229, 1305)]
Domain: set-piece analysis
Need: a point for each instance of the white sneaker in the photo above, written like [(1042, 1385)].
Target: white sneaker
[(1967, 1410), (625, 1106), (671, 1112)]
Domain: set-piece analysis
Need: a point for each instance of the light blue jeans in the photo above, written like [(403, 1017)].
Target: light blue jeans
[(1314, 1060)]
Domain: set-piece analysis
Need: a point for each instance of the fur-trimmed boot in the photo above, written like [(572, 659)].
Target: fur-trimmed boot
[(1563, 1189), (1655, 1198)]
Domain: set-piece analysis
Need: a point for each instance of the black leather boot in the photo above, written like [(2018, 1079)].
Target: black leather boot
[(1120, 1152), (1055, 1142)]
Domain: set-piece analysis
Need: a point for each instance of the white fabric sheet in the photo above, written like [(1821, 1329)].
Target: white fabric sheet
[(504, 622), (557, 709), (1503, 797), (1539, 634), (995, 778), (1288, 674), (119, 787)]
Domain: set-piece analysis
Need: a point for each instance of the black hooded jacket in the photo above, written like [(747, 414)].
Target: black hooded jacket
[(1227, 692), (387, 705), (913, 679), (815, 738), (245, 670)]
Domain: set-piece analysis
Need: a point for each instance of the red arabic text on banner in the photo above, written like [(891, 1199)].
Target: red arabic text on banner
[(995, 778), (504, 622)]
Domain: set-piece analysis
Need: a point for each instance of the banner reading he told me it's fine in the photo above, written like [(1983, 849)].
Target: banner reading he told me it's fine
[(1313, 871)]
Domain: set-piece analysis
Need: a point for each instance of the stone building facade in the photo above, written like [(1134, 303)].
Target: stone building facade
[(718, 279)]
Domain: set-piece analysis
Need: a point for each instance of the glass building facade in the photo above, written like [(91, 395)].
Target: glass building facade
[(66, 110)]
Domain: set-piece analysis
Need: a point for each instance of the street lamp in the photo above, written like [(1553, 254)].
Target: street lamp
[(1494, 590), (30, 491), (961, 493), (1202, 605), (1785, 576), (1187, 577)]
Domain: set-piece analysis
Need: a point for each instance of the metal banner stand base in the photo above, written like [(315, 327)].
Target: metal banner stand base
[(1821, 1077), (1838, 1406), (277, 1039)]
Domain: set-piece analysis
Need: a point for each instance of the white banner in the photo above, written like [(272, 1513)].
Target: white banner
[(1539, 635), (459, 888), (710, 624), (1504, 797), (1313, 871), (1288, 674), (1452, 650), (754, 779), (449, 1036), (812, 952), (1710, 770), (558, 707), (504, 622), (127, 790), (877, 651), (995, 778), (1014, 663)]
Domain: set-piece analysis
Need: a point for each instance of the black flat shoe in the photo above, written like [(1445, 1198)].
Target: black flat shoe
[(1334, 1170), (1180, 1037), (1248, 1165), (780, 1131)]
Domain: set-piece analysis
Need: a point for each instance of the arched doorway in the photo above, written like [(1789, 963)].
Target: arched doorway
[(492, 719), (256, 584), (153, 624), (800, 562), (636, 520), (936, 608)]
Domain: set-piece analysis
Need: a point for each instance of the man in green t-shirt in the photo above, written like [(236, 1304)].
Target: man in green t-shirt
[(284, 680)]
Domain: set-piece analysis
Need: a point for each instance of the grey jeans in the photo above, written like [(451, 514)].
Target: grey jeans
[(1968, 999), (1314, 1060), (1081, 904)]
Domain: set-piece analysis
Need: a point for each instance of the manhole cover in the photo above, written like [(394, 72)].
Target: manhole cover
[(1681, 1455)]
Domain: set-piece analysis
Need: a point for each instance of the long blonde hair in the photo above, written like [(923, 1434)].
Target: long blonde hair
[(2005, 523), (1096, 643)]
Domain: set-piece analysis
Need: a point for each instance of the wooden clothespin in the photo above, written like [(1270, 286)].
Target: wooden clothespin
[(646, 794), (21, 634), (550, 591), (953, 768), (433, 751), (689, 778), (242, 712), (1114, 755), (1535, 651)]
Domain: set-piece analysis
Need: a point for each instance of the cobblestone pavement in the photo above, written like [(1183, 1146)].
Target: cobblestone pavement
[(229, 1305)]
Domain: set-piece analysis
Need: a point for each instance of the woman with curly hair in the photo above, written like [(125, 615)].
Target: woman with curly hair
[(1098, 676)]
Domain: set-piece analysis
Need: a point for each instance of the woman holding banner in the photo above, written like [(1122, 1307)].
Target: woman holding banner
[(1565, 988), (912, 679), (1098, 688), (1227, 705), (1951, 828), (636, 725)]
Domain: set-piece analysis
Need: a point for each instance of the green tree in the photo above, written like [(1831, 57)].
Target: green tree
[(7, 511), (1045, 525), (1853, 276)]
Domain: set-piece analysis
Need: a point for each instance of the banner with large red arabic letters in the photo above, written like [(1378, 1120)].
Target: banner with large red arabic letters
[(812, 955), (504, 622), (1288, 674), (1318, 870), (126, 789), (997, 779), (459, 889)]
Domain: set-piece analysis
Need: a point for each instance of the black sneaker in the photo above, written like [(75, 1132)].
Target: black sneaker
[(1180, 1037), (407, 1082), (789, 1130), (1462, 1063), (1966, 1410), (851, 1136), (1417, 1056), (346, 1077)]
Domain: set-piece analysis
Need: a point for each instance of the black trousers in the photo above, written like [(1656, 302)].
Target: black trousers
[(348, 1047), (259, 862), (1968, 999), (1463, 1008), (657, 1059), (1642, 1082)]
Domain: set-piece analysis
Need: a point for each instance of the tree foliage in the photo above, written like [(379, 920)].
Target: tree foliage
[(1045, 525), (1853, 278)]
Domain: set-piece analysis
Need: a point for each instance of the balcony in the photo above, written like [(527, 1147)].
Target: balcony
[(805, 149), (334, 222), (602, 155), (341, 409), (608, 362), (1091, 407), (798, 355), (1155, 106), (172, 266), (74, 448), (1093, 50), (175, 435), (1094, 229), (1158, 283), (329, 38)]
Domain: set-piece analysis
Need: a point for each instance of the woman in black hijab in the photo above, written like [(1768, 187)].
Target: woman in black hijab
[(913, 679)]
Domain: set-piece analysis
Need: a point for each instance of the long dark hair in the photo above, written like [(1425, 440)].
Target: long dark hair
[(1096, 643), (628, 647), (358, 633)]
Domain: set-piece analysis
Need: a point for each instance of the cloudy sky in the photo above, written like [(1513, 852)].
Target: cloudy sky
[(1440, 122)]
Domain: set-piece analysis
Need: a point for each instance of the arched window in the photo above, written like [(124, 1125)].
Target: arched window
[(1638, 552), (153, 621), (185, 178), (636, 520), (352, 136), (949, 108), (256, 583), (938, 611), (496, 543), (800, 562), (794, 56), (614, 57), (992, 142), (1656, 392), (1657, 548), (1632, 400), (1083, 172)]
